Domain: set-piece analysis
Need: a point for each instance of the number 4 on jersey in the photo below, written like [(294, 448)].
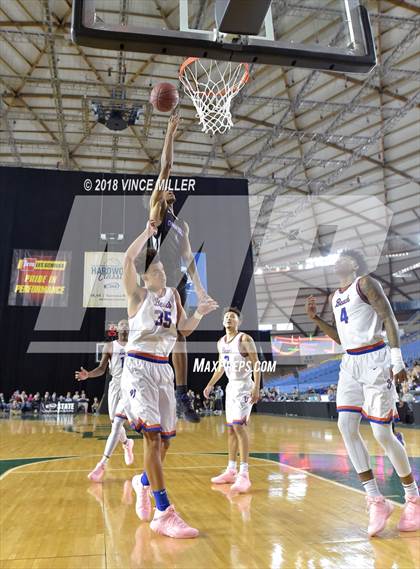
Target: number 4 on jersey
[(343, 317)]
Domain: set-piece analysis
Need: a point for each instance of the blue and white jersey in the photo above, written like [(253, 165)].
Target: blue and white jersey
[(116, 363), (358, 325), (153, 329)]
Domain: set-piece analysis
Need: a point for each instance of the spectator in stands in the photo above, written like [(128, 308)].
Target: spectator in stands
[(95, 405), (3, 403), (76, 397), (36, 402), (218, 400), (407, 397), (405, 405), (26, 403), (198, 405), (46, 398), (68, 398), (83, 402), (331, 394), (313, 395), (416, 371)]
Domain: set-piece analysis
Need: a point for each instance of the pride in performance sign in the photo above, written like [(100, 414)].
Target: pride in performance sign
[(39, 278)]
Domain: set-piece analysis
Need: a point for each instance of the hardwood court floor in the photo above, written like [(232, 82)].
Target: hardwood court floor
[(305, 510)]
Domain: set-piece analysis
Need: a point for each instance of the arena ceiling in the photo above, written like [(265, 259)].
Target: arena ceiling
[(300, 136)]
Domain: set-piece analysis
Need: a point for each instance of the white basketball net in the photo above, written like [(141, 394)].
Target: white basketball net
[(211, 85)]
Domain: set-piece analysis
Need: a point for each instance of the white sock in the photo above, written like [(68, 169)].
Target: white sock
[(232, 465), (371, 488), (243, 467), (104, 460), (411, 489)]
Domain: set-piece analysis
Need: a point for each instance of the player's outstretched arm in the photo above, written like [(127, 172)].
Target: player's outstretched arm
[(375, 294), (186, 326), (84, 374), (166, 163), (218, 374), (131, 288), (328, 329), (248, 347)]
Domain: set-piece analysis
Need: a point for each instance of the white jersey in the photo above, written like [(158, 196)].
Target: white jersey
[(153, 329), (116, 362), (357, 323), (236, 366)]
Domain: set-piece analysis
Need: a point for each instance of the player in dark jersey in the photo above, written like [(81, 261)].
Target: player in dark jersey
[(173, 244)]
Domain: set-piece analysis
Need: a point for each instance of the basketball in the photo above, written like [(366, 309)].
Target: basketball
[(164, 97)]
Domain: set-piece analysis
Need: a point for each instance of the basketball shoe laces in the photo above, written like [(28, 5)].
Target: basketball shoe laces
[(175, 521)]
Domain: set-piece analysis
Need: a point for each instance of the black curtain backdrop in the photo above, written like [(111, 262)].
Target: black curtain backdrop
[(35, 206)]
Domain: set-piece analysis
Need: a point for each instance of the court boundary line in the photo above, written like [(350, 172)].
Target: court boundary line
[(42, 459)]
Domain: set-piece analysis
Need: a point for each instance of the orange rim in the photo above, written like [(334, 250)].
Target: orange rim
[(236, 87)]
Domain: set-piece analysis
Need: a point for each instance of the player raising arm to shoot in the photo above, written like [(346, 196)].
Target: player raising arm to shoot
[(172, 242), (155, 317), (366, 385)]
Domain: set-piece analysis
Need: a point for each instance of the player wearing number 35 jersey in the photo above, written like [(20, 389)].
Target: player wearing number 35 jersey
[(156, 316), (366, 383)]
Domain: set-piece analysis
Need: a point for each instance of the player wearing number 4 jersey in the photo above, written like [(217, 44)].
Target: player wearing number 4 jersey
[(366, 383), (155, 318), (113, 355)]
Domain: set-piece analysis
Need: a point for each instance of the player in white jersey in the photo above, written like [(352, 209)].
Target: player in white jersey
[(366, 387), (113, 356), (155, 318), (239, 360)]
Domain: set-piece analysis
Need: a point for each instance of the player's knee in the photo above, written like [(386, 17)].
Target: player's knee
[(239, 429), (382, 434), (166, 443), (348, 427), (152, 439)]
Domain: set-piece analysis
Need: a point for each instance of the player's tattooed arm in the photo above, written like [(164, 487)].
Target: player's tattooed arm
[(328, 329), (248, 346), (186, 326), (166, 162), (134, 293), (99, 370), (380, 304), (376, 297)]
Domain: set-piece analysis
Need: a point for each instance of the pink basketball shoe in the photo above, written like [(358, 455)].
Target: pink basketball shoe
[(410, 517), (379, 512), (143, 502), (228, 476), (171, 524), (97, 473), (242, 484), (128, 452)]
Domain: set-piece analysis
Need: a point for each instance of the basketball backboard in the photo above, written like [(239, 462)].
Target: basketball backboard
[(317, 34)]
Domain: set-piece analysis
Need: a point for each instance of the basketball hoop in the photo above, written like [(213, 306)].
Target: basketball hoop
[(211, 85)]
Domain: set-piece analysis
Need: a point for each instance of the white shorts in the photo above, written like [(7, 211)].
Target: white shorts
[(149, 396), (115, 404), (238, 402), (365, 386)]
